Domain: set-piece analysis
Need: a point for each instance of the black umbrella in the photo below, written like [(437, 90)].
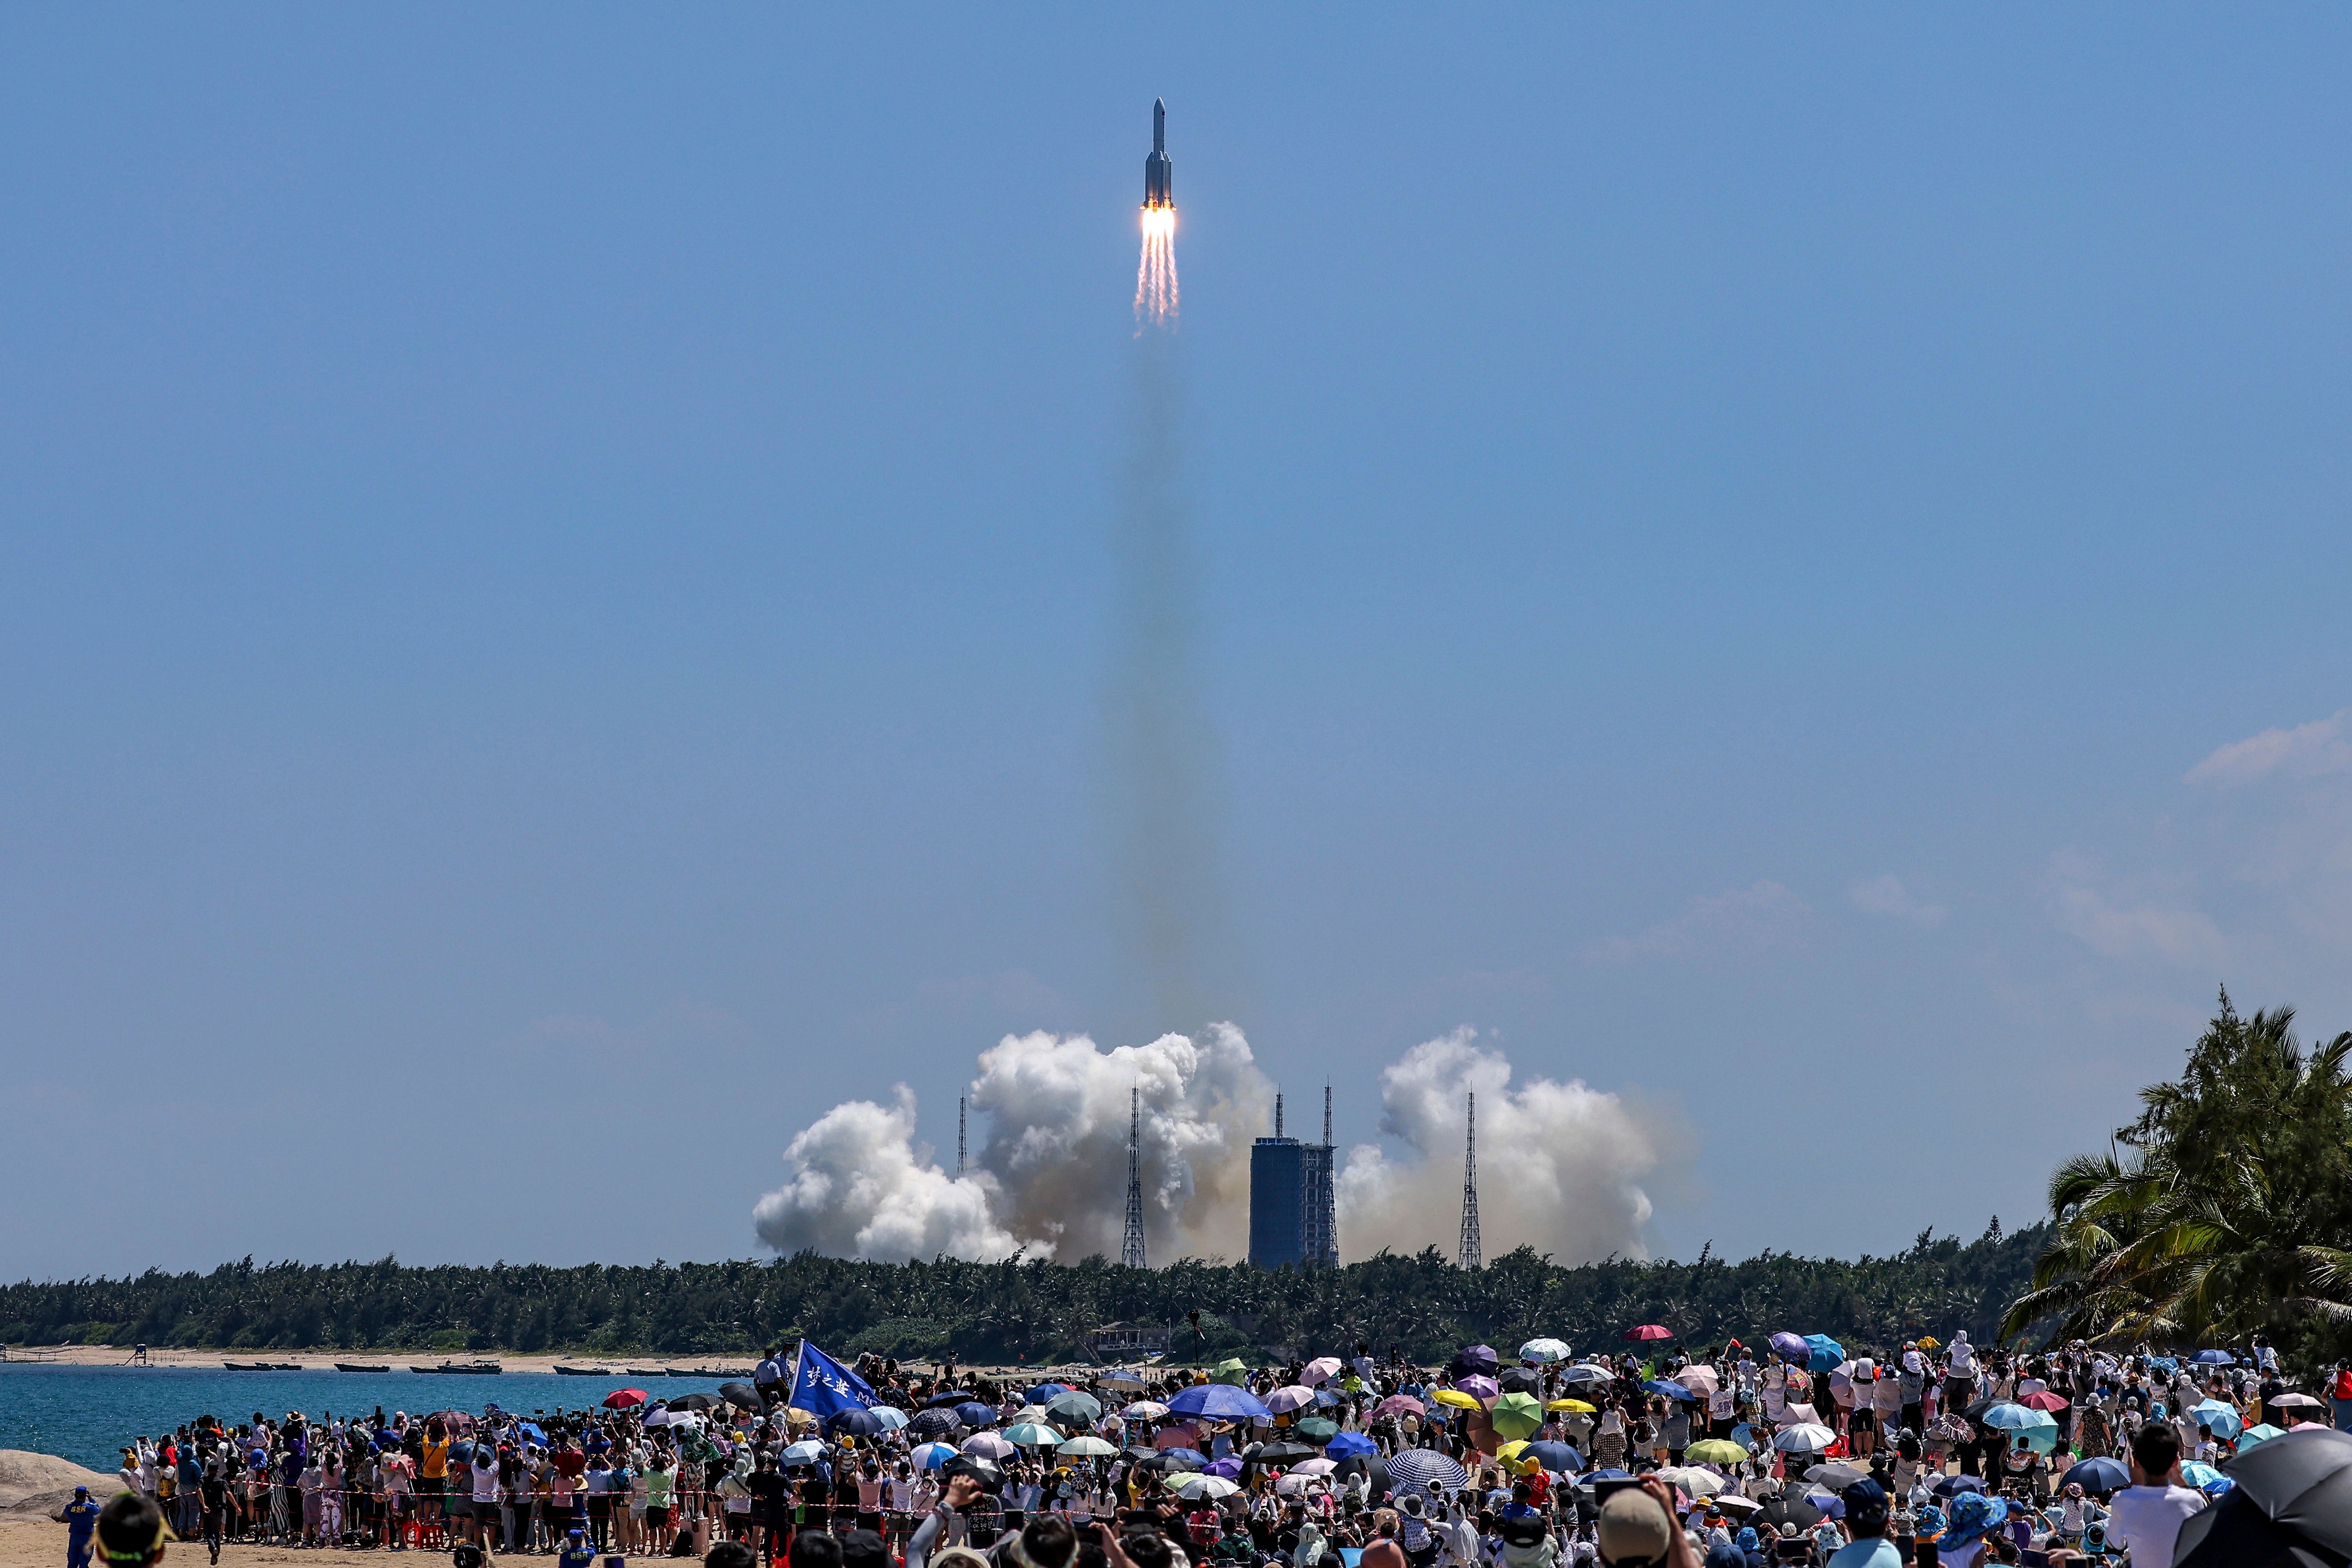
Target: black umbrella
[(1284, 1453), (953, 1396), (1170, 1462), (932, 1422), (1975, 1410), (864, 1423), (1780, 1511), (988, 1472), (2292, 1505), (695, 1401), (742, 1396), (1473, 1361), (1519, 1380), (1953, 1486), (1580, 1376)]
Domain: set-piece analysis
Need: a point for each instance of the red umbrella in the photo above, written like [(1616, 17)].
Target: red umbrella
[(2043, 1399), (1650, 1331), (623, 1398)]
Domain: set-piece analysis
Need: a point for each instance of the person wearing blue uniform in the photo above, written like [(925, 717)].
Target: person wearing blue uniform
[(79, 1517), (576, 1552)]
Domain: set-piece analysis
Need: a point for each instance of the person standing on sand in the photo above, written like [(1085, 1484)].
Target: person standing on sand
[(79, 1515)]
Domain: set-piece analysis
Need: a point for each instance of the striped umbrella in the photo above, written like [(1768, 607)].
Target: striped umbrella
[(1418, 1466)]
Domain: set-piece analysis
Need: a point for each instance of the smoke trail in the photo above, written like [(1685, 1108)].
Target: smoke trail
[(1561, 1165), (1163, 749)]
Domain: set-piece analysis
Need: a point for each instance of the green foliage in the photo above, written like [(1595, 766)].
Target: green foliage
[(2224, 1212), (1015, 1310)]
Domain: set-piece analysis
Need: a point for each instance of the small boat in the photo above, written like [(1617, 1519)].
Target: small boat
[(742, 1372), (463, 1368), (563, 1370), (649, 1371), (263, 1365), (362, 1366)]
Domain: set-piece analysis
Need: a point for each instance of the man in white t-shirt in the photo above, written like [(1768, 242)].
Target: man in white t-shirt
[(2147, 1516)]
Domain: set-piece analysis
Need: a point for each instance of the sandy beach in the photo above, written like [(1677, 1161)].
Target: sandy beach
[(324, 1360)]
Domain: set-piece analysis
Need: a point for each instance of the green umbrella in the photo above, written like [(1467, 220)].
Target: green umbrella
[(1029, 1434), (1230, 1370), (1074, 1409), (1318, 1428), (1517, 1415)]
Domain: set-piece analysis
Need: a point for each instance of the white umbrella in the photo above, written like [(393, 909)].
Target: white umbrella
[(1736, 1502), (1121, 1380), (1696, 1481), (1804, 1437), (2294, 1402), (1319, 1371), (1145, 1410), (1087, 1448), (1543, 1350), (1699, 1380), (1291, 1398), (987, 1446), (1293, 1484), (1210, 1487), (1314, 1467)]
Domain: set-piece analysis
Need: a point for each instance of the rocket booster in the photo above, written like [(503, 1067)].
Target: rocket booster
[(1158, 173)]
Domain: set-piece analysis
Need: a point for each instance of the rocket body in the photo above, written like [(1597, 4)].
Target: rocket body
[(1158, 173)]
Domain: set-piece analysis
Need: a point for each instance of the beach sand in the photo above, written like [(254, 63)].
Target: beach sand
[(29, 1540), (325, 1360)]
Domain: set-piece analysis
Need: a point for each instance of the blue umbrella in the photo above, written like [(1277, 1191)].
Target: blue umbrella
[(531, 1429), (2221, 1415), (1350, 1443), (2201, 1476), (1823, 1353), (2164, 1364), (1606, 1475), (1791, 1347), (1671, 1390), (1188, 1455), (865, 1423), (1220, 1401), (1045, 1390), (2037, 1429), (973, 1414), (2100, 1475), (1953, 1486), (1418, 1466), (931, 1455), (952, 1396), (1557, 1457), (2214, 1358)]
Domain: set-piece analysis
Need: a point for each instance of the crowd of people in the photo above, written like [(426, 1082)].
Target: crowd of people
[(1731, 1457)]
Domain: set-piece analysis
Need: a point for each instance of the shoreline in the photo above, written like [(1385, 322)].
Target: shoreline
[(399, 1361)]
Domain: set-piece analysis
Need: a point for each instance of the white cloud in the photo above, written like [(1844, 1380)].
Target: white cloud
[(2322, 746), (1762, 916), (860, 1189), (1561, 1165), (1886, 895), (2138, 919)]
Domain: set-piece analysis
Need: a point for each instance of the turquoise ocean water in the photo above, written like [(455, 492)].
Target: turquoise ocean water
[(87, 1413)]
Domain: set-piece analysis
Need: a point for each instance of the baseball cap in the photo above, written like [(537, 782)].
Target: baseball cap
[(1634, 1531)]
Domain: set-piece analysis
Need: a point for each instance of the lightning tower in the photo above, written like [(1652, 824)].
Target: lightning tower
[(959, 1137), (1131, 1246), (1471, 1255)]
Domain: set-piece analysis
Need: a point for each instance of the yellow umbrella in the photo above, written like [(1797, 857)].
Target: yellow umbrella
[(796, 1416), (1930, 1342), (1510, 1454), (1457, 1399), (1573, 1406)]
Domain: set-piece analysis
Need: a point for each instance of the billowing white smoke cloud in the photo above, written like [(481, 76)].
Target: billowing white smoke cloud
[(858, 1190), (1559, 1164)]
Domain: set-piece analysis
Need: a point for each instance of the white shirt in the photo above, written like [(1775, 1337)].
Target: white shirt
[(2148, 1520)]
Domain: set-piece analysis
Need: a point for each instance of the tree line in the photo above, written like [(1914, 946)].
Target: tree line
[(1028, 1310), (2223, 1211)]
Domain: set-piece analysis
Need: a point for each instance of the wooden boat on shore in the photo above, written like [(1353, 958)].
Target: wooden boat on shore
[(563, 1370), (263, 1365), (463, 1368), (649, 1371), (362, 1366)]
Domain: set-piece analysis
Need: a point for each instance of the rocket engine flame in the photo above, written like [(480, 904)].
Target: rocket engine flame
[(1155, 274)]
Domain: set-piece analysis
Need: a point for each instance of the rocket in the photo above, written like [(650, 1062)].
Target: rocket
[(1158, 173)]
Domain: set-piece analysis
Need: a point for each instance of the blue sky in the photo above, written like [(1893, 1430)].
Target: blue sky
[(555, 581)]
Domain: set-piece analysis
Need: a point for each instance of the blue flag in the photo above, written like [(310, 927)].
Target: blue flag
[(822, 1386)]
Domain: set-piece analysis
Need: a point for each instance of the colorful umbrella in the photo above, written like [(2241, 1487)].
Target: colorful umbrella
[(1219, 1401), (931, 1455), (1542, 1351), (1517, 1415), (1145, 1410)]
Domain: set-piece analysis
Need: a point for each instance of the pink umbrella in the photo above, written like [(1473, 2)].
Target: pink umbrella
[(1400, 1405), (1184, 1434), (1290, 1398), (1314, 1467), (988, 1446), (1319, 1371), (2044, 1400), (1650, 1331)]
